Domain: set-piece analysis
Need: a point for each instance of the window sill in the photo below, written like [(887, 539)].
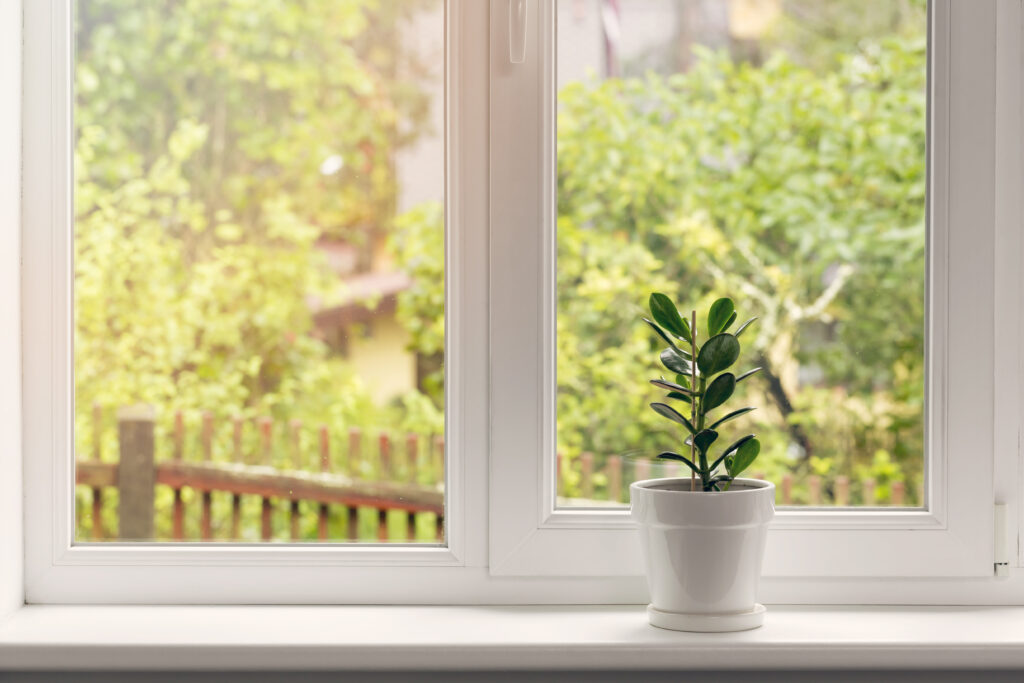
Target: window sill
[(488, 637)]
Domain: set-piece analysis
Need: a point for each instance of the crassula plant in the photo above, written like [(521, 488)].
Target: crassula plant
[(701, 388)]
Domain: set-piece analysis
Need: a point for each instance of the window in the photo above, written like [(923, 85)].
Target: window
[(738, 149), (507, 536), (259, 271), (535, 533)]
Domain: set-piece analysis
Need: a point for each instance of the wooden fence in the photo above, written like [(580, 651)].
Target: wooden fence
[(611, 484), (355, 477), (355, 480)]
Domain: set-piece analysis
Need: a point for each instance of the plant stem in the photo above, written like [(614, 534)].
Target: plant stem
[(693, 397)]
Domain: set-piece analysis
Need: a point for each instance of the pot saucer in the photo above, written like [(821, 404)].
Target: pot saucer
[(707, 623)]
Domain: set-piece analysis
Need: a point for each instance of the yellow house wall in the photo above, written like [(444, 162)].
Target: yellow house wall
[(382, 360)]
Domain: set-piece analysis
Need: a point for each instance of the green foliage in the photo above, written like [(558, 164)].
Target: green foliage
[(418, 244), (713, 356), (202, 189), (797, 189)]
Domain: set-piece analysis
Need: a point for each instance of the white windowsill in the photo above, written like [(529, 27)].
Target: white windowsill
[(488, 637)]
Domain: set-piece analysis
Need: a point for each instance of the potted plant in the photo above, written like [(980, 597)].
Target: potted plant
[(703, 537)]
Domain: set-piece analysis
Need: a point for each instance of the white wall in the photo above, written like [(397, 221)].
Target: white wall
[(11, 591)]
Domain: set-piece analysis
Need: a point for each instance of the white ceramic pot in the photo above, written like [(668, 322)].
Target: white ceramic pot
[(703, 552)]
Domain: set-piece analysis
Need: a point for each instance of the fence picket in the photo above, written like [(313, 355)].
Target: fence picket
[(898, 490), (587, 475), (98, 532), (239, 457), (206, 518), (295, 442), (325, 466), (384, 470), (412, 446), (814, 489), (352, 523), (842, 491), (355, 446), (439, 459), (266, 519), (614, 469), (869, 492), (266, 508), (178, 511)]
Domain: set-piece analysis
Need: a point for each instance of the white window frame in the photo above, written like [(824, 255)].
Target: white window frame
[(57, 569), (505, 542), (953, 537)]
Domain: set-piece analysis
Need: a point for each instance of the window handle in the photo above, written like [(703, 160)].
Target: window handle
[(517, 31)]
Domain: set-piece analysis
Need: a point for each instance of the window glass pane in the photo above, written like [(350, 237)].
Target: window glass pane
[(772, 151), (259, 270)]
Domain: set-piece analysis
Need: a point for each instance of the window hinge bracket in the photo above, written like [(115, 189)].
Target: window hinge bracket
[(1002, 548)]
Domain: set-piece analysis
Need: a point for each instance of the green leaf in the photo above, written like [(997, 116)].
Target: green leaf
[(671, 386), (730, 321), (674, 362), (668, 339), (747, 374), (718, 316), (729, 451), (719, 391), (677, 395), (669, 455), (683, 380), (704, 439), (665, 312), (718, 353), (672, 414), (744, 326), (744, 458), (731, 416)]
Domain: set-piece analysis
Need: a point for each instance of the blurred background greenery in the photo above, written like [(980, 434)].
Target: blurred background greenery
[(773, 152), (259, 227)]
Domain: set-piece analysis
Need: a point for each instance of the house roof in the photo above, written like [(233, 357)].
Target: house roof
[(359, 298)]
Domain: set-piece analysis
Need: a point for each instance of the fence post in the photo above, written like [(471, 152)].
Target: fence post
[(787, 489), (136, 475)]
